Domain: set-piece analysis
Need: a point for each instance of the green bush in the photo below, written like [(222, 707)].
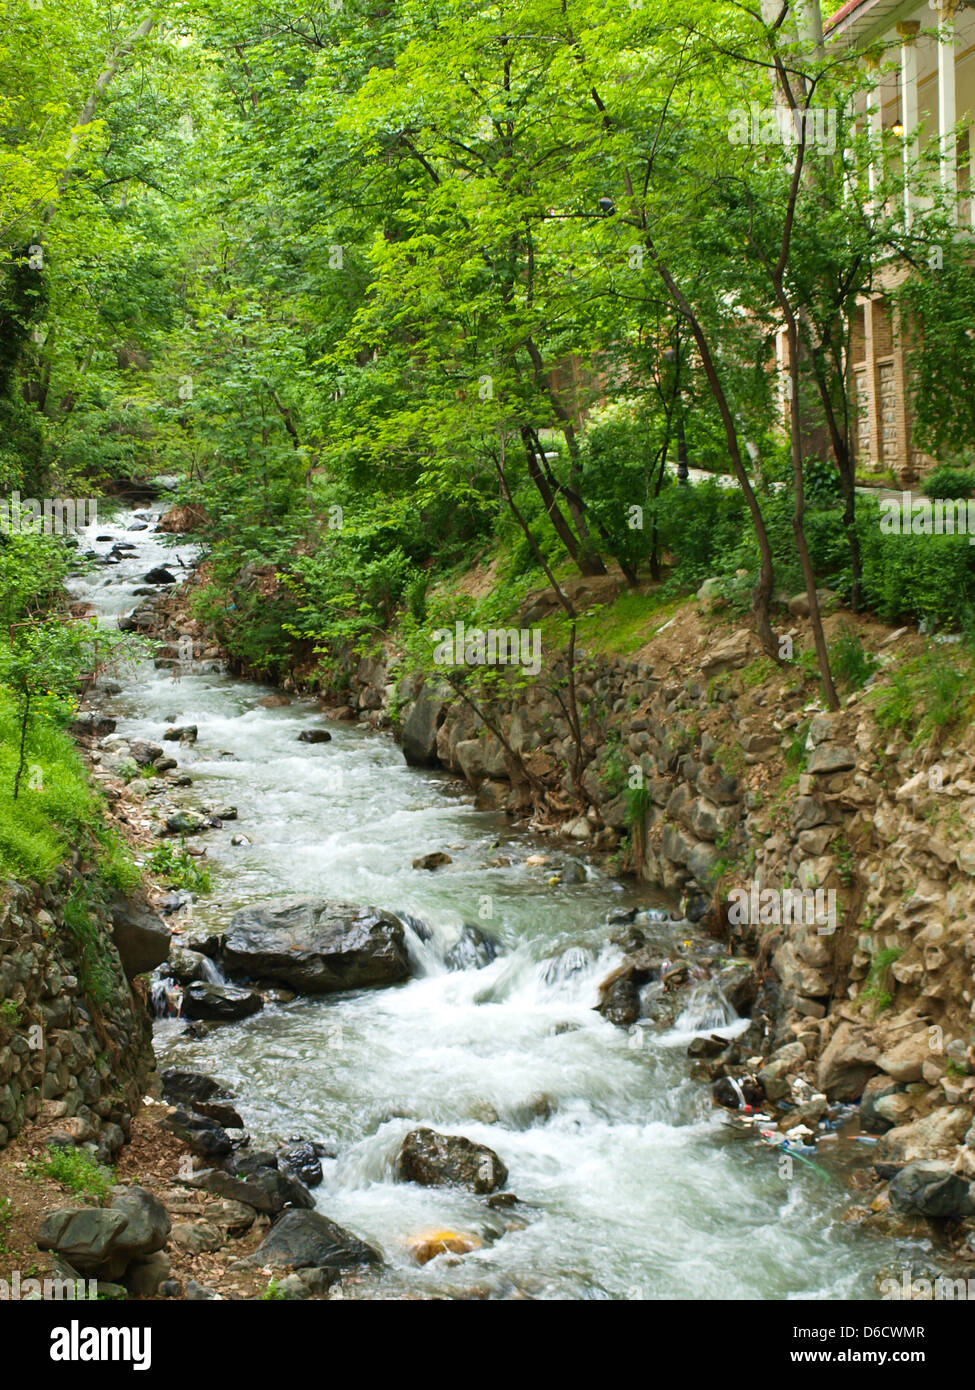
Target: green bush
[(75, 1169), (948, 481), (914, 576)]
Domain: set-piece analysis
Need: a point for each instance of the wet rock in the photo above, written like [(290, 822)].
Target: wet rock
[(315, 946), (472, 951), (302, 1161), (619, 997), (221, 1111), (738, 982), (143, 752), (199, 1133), (427, 1245), (931, 1189), (159, 575), (266, 1190), (449, 1160), (187, 823), (725, 1092), (221, 1002), (274, 701), (187, 1087), (419, 736), (314, 736), (187, 966), (306, 1239), (183, 733), (140, 935), (436, 860)]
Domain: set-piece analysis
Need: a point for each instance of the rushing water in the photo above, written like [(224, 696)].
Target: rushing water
[(631, 1184)]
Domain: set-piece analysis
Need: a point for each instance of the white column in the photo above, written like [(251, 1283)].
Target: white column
[(908, 34), (947, 111), (875, 126)]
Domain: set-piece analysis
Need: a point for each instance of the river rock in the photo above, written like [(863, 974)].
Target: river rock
[(449, 1160), (847, 1063), (143, 752), (144, 1277), (619, 997), (159, 575), (436, 860), (307, 1239), (302, 1161), (427, 1245), (220, 1110), (472, 950), (314, 736), (931, 1189), (103, 1241), (267, 1189), (199, 1133), (187, 966), (183, 733), (187, 1087), (91, 723), (140, 935), (221, 1002), (877, 1089), (419, 737), (315, 946), (927, 1138)]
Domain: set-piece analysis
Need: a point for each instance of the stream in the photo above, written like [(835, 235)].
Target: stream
[(631, 1184)]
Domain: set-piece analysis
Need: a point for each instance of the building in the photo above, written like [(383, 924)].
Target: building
[(925, 92)]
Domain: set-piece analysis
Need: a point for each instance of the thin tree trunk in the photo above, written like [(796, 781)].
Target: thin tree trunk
[(23, 744)]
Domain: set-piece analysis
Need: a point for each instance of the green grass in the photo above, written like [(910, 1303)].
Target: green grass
[(877, 987), (851, 664), (77, 1170), (56, 804), (179, 868), (927, 695)]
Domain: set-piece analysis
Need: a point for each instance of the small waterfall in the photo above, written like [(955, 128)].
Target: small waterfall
[(706, 1008), (454, 948), (211, 972), (165, 997)]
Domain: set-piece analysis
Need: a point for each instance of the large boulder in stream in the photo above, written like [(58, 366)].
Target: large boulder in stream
[(315, 946), (420, 731), (141, 937), (449, 1160), (221, 1003)]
